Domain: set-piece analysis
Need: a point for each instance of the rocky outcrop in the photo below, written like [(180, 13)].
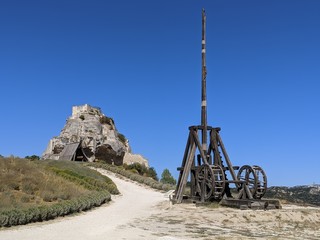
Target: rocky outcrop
[(98, 135), (130, 158)]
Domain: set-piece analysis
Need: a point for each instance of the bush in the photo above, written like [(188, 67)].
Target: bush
[(43, 213), (142, 170), (33, 157), (152, 173), (133, 176), (122, 138), (106, 120)]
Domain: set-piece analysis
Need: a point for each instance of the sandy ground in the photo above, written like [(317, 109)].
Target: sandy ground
[(142, 213)]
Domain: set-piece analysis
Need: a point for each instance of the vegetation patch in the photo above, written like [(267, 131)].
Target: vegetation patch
[(40, 190), (134, 176), (122, 138), (141, 170), (81, 175), (106, 120), (304, 195)]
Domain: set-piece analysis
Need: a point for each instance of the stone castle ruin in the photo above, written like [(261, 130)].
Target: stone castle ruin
[(89, 135)]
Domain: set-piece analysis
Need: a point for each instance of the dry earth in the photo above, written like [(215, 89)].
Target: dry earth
[(142, 213)]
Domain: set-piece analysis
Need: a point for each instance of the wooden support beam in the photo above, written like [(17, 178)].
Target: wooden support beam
[(248, 192), (213, 141), (197, 142), (186, 171), (233, 174), (185, 156)]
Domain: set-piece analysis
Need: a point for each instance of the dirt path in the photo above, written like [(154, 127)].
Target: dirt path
[(144, 214)]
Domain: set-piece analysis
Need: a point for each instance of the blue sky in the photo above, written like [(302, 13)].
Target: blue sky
[(140, 61)]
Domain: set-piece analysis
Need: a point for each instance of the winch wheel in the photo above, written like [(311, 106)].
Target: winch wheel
[(219, 182), (255, 178), (205, 177), (261, 182), (247, 176)]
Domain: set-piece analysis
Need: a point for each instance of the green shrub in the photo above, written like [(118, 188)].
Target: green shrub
[(166, 187), (133, 176), (106, 120), (86, 181), (25, 199), (142, 170), (134, 171), (29, 187), (33, 157), (122, 138), (43, 213)]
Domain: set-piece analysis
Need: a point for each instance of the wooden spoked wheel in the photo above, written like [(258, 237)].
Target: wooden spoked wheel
[(219, 182), (205, 181), (246, 174), (261, 179), (210, 182), (255, 178)]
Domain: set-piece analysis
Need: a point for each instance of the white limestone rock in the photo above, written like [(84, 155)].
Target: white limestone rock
[(99, 136), (130, 158)]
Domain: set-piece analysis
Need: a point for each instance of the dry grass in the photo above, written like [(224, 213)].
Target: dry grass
[(25, 183)]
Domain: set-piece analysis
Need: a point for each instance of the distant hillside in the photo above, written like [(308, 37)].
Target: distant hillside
[(299, 194)]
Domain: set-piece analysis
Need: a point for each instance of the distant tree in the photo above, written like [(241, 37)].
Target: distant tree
[(1, 156), (142, 170), (152, 173), (167, 178), (33, 157)]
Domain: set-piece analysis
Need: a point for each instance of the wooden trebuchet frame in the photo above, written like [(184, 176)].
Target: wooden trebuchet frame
[(207, 166)]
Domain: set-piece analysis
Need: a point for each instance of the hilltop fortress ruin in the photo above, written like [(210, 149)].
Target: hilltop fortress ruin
[(89, 135)]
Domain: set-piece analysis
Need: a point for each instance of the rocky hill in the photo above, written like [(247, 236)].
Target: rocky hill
[(93, 135), (306, 195)]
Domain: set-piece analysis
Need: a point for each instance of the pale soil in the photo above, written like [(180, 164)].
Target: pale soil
[(142, 213)]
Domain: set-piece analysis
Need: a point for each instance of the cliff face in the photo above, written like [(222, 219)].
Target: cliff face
[(98, 136)]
